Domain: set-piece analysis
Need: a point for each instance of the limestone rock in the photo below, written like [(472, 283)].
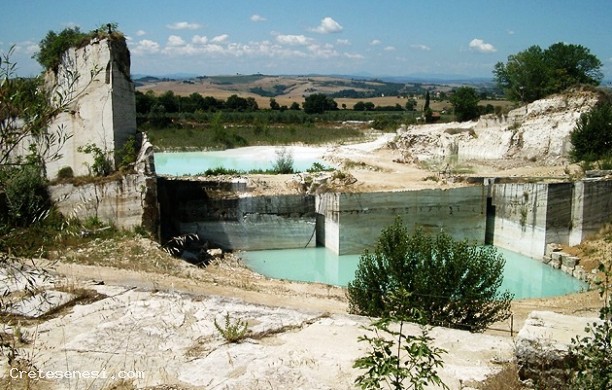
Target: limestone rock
[(542, 346)]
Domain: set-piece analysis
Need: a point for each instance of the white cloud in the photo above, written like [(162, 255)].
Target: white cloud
[(420, 47), (481, 46), (510, 32), (353, 56), (343, 42), (293, 39), (146, 46), (389, 48), (375, 42), (220, 38), (199, 40), (258, 18), (140, 33), (175, 40), (184, 26), (328, 26)]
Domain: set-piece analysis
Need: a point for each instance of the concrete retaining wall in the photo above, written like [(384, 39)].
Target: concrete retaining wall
[(233, 220), (127, 202)]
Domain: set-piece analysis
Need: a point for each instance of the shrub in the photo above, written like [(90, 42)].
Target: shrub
[(101, 166), (27, 200), (284, 161), (65, 173), (593, 353), (453, 283), (592, 137)]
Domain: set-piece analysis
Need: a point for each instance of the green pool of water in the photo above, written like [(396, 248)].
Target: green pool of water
[(523, 276)]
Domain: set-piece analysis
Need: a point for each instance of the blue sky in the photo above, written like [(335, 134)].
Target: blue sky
[(377, 38)]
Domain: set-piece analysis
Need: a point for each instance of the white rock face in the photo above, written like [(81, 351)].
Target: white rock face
[(539, 131), (102, 111)]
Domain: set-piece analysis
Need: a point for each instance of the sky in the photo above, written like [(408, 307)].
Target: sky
[(286, 37)]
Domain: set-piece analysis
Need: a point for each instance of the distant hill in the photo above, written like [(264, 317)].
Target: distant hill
[(286, 89)]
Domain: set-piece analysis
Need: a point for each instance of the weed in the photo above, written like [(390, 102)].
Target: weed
[(232, 331)]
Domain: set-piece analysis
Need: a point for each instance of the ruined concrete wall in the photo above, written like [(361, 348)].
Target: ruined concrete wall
[(591, 208), (232, 220), (95, 79), (528, 216), (127, 202), (360, 217), (520, 217)]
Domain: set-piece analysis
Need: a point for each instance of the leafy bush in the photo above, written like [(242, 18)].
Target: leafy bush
[(232, 331), (453, 283), (592, 137), (65, 173), (26, 197), (53, 46), (102, 166), (128, 153), (593, 353)]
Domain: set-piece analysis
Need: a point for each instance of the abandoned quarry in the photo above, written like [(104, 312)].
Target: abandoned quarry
[(152, 309)]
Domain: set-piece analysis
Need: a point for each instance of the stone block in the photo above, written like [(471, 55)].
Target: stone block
[(569, 261), (551, 248)]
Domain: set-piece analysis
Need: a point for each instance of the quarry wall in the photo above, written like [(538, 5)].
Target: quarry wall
[(522, 217), (127, 202), (353, 221), (234, 219)]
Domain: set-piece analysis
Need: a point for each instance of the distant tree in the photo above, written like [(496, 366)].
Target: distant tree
[(465, 103), (274, 105), (535, 73), (364, 106), (427, 98), (144, 101), (295, 106), (318, 103), (452, 283), (592, 137), (170, 102), (411, 104)]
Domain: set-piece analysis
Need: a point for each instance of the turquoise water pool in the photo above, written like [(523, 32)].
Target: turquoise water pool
[(524, 277), (241, 159)]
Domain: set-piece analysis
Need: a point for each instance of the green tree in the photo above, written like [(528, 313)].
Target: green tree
[(274, 104), (318, 103), (535, 73), (453, 283), (465, 103), (592, 137)]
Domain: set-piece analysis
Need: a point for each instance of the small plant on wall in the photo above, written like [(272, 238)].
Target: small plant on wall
[(102, 165)]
